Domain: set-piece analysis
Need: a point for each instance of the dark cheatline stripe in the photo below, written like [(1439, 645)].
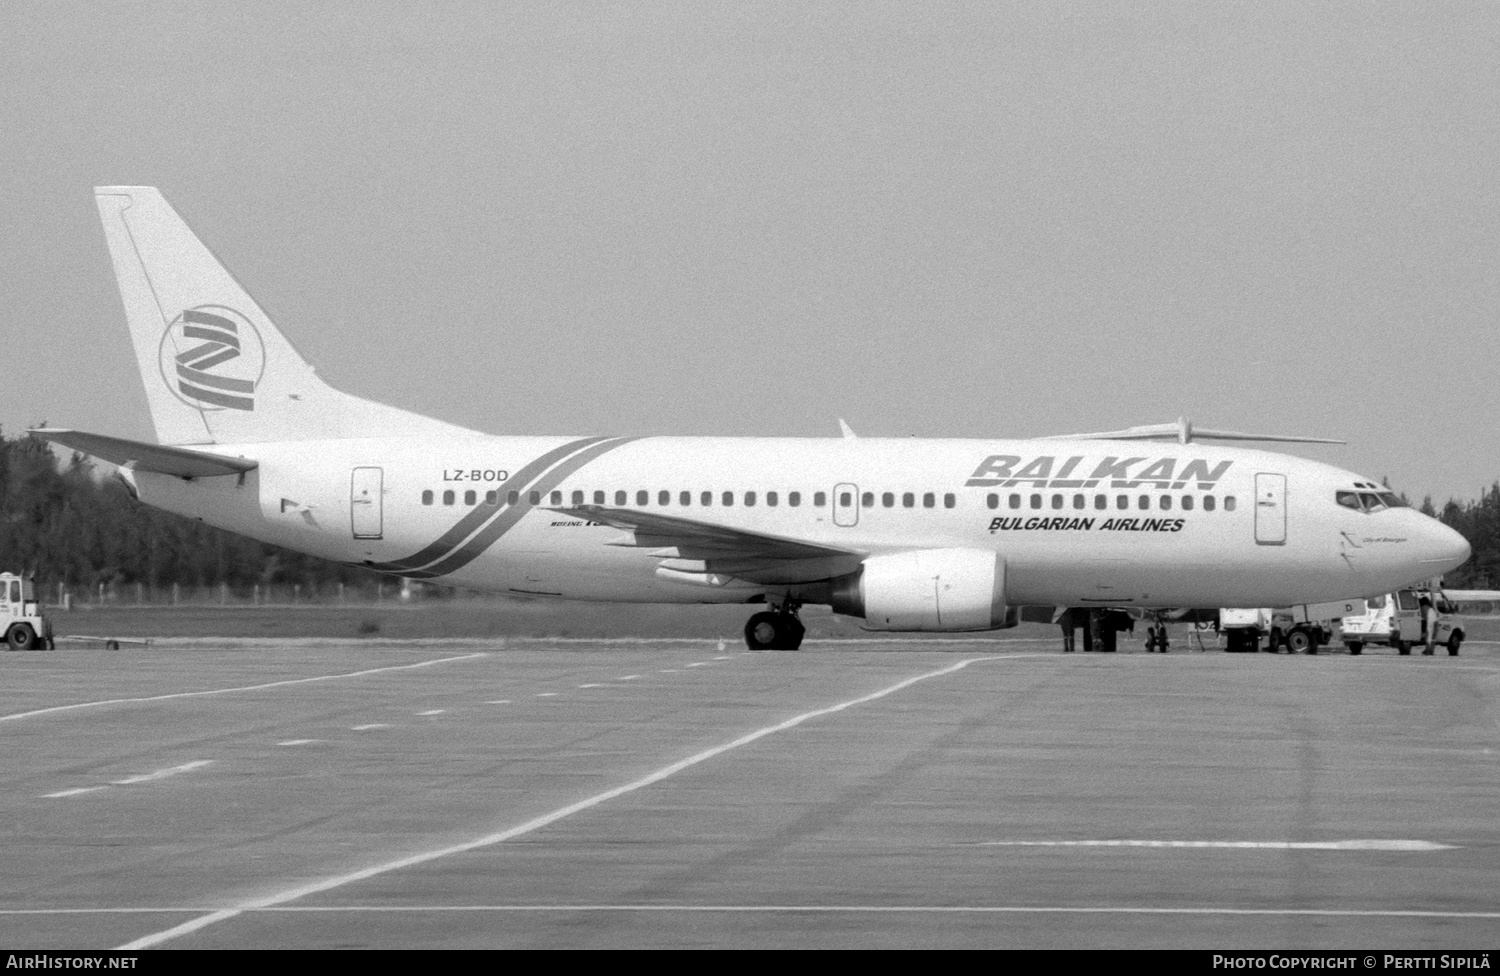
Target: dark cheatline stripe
[(206, 349), (476, 546), (213, 335), (209, 379), (199, 317), (209, 362), (480, 514), (218, 399)]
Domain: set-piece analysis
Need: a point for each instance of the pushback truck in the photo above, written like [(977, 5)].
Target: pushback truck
[(21, 619)]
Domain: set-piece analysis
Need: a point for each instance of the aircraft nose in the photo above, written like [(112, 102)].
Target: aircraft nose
[(1444, 549)]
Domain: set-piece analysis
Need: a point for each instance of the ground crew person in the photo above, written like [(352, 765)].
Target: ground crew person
[(1429, 623)]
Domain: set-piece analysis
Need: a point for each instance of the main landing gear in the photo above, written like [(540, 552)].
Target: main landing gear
[(777, 629)]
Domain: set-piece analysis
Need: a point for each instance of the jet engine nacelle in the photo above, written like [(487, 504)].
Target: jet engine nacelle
[(929, 589)]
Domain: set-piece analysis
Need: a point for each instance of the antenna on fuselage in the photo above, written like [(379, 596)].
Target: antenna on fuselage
[(1183, 432)]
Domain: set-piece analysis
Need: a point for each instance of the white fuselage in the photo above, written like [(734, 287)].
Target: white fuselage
[(1076, 522)]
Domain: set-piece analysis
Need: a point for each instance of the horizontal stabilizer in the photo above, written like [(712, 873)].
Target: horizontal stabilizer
[(177, 461), (1184, 432)]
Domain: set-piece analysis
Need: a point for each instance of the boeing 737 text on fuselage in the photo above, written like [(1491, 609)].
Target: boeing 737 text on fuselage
[(908, 534)]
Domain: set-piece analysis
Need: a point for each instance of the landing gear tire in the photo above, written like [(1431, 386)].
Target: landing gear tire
[(1455, 641), (20, 637), (1355, 647), (1403, 647), (1300, 642), (769, 631)]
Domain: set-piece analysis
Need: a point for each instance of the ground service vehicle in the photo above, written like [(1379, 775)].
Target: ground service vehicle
[(1303, 628), (21, 619), (1395, 620)]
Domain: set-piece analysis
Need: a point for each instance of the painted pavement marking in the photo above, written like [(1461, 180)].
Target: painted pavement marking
[(339, 881)]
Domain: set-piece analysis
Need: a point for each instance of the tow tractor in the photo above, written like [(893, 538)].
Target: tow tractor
[(21, 619)]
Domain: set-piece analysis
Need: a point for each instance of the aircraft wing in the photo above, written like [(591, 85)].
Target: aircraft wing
[(178, 461), (1184, 432), (691, 548)]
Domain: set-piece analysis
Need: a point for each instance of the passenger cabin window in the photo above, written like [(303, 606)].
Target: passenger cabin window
[(1208, 503), (427, 498), (728, 498), (685, 498), (598, 498), (888, 499), (794, 498), (1144, 502), (867, 500), (949, 500), (706, 499), (470, 497), (1101, 502), (663, 498), (448, 498), (620, 497), (557, 498), (513, 497), (820, 498), (534, 497), (992, 500), (749, 499), (1122, 502), (1187, 503), (1228, 503), (577, 498), (772, 498), (642, 497), (1036, 501), (1166, 503), (1078, 501), (909, 500), (492, 497), (1015, 501), (1057, 501)]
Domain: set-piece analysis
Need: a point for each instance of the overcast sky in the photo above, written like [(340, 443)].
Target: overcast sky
[(971, 220)]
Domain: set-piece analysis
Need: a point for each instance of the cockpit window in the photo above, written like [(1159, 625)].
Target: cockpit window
[(1348, 499), (1392, 499), (1372, 501)]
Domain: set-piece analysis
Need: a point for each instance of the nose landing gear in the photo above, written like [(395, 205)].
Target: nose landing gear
[(777, 629)]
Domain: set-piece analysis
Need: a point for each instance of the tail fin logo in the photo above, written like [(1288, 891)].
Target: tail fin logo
[(212, 358)]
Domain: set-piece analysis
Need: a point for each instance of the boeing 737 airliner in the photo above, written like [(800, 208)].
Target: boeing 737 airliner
[(908, 534)]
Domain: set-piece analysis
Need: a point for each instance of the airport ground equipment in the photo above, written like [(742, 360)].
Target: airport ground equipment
[(1302, 628), (1395, 620), (22, 622)]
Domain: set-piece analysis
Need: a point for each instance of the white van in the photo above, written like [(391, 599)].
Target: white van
[(1395, 620)]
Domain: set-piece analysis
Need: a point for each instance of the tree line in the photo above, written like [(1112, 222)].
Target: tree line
[(77, 531), (74, 529)]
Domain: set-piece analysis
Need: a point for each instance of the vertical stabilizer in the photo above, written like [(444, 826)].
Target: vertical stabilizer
[(216, 369)]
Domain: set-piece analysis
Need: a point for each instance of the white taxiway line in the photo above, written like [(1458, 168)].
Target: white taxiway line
[(1266, 845), (339, 881), (132, 780), (228, 691)]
